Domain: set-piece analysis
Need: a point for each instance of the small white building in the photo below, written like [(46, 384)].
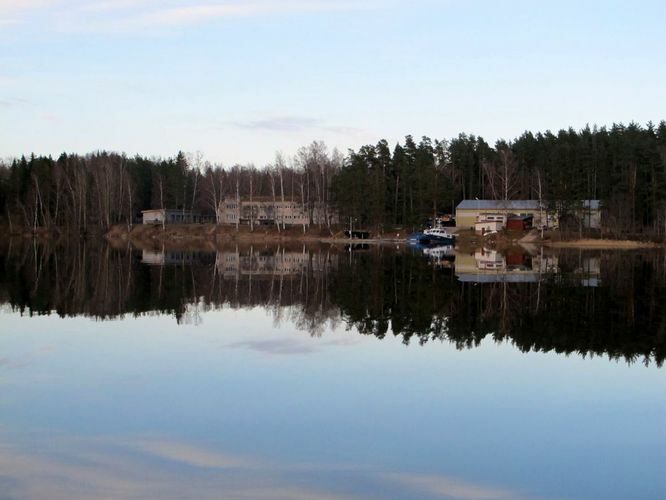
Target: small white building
[(488, 227), (174, 216), (590, 214), (487, 223)]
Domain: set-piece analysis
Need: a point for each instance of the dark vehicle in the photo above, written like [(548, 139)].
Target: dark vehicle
[(361, 235)]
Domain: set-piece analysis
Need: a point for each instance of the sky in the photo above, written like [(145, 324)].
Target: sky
[(241, 80)]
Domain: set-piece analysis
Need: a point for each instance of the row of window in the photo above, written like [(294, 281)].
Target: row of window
[(263, 207)]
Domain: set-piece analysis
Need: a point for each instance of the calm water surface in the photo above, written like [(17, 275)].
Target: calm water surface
[(325, 373)]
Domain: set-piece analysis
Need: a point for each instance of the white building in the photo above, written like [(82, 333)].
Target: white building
[(266, 211), (174, 216)]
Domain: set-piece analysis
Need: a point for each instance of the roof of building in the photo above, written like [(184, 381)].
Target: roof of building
[(262, 199), (172, 210), (498, 205), (514, 204)]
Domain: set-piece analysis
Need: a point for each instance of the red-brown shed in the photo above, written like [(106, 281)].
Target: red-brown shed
[(519, 222)]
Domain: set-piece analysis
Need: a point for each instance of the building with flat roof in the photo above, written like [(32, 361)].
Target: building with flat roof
[(175, 216), (267, 211), (469, 212)]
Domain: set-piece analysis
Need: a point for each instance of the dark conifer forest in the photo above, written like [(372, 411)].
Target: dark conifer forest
[(380, 185)]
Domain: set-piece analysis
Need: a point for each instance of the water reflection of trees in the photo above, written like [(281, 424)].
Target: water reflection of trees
[(377, 291), (75, 278)]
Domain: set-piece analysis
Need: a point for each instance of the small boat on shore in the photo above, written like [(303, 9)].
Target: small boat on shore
[(434, 236)]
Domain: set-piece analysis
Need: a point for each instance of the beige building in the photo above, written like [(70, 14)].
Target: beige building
[(469, 212), (265, 210)]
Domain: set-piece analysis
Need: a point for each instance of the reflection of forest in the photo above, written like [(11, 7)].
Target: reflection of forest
[(582, 302)]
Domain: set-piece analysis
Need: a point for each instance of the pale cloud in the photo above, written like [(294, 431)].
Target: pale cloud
[(12, 102), (27, 358), (192, 455), (79, 466), (6, 81), (277, 346), (13, 6), (111, 5), (446, 487), (83, 468), (187, 14), (295, 124), (104, 15), (345, 341), (49, 117), (13, 11), (280, 124)]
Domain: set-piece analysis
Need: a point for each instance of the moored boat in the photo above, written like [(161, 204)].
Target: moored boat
[(434, 236)]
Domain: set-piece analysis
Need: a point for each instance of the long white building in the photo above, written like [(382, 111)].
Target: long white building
[(265, 210)]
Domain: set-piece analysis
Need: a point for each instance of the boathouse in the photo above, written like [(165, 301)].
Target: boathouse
[(469, 212)]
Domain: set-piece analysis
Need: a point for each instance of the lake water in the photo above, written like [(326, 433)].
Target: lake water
[(330, 372)]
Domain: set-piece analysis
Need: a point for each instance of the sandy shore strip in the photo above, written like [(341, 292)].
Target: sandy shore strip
[(603, 244)]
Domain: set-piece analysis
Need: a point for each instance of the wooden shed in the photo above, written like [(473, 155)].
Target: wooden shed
[(519, 222)]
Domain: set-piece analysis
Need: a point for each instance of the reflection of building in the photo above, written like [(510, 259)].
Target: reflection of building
[(489, 260), (469, 212), (175, 257), (514, 266), (266, 210), (589, 271), (175, 216), (441, 256), (489, 266), (272, 263)]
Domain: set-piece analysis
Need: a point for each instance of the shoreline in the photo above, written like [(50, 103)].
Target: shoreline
[(602, 244), (195, 235)]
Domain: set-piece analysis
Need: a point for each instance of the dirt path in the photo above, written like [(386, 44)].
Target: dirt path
[(530, 237)]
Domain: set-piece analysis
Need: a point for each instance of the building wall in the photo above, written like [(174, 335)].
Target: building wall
[(519, 224), (591, 218), (466, 218), (174, 216), (232, 211), (153, 216), (484, 227)]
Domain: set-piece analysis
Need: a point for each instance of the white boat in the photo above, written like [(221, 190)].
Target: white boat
[(438, 234), (435, 235)]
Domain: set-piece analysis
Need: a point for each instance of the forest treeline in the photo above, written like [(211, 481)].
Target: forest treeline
[(624, 166)]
